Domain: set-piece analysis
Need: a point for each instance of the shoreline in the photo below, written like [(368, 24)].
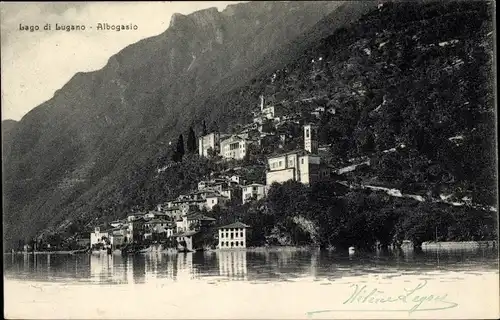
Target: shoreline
[(425, 245), (48, 252), (460, 244)]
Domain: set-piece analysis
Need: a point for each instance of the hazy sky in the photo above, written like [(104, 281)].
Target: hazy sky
[(35, 64)]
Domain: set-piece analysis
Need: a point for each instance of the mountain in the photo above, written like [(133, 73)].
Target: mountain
[(8, 125), (71, 156)]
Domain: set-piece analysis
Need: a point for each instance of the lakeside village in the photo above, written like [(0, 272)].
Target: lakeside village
[(183, 224), (180, 225)]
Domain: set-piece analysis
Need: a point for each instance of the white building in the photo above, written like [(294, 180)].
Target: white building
[(298, 166), (253, 191), (215, 199), (97, 235), (210, 141), (233, 236), (302, 165), (235, 147)]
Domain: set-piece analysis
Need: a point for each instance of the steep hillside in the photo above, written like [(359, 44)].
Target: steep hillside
[(416, 76), (403, 98), (71, 156)]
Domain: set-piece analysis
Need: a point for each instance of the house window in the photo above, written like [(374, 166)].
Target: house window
[(222, 235), (232, 235), (213, 201), (307, 133), (302, 160), (236, 244), (279, 164), (241, 234), (241, 243), (254, 188)]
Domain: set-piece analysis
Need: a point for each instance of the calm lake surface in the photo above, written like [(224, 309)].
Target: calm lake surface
[(239, 265), (245, 284)]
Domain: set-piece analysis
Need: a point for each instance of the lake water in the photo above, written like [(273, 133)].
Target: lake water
[(240, 284)]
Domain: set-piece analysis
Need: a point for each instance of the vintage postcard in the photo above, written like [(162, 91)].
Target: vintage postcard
[(249, 160)]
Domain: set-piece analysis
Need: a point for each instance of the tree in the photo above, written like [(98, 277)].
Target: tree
[(191, 141), (179, 150), (204, 130)]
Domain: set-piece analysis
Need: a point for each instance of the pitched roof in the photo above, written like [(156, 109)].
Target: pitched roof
[(235, 225)]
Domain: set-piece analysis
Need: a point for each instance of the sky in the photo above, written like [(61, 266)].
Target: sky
[(35, 64)]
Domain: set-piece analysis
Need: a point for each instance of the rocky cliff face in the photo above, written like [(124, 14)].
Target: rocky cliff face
[(70, 155)]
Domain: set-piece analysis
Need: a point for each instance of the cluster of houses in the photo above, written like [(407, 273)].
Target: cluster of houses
[(180, 219), (186, 230), (176, 218), (302, 165)]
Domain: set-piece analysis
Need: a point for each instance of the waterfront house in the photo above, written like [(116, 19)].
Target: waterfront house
[(97, 236), (208, 142), (135, 230), (193, 221), (254, 191), (233, 235), (158, 228), (188, 240), (117, 236), (190, 230)]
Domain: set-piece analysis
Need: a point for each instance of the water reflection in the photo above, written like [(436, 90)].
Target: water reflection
[(240, 265), (233, 264), (101, 268)]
